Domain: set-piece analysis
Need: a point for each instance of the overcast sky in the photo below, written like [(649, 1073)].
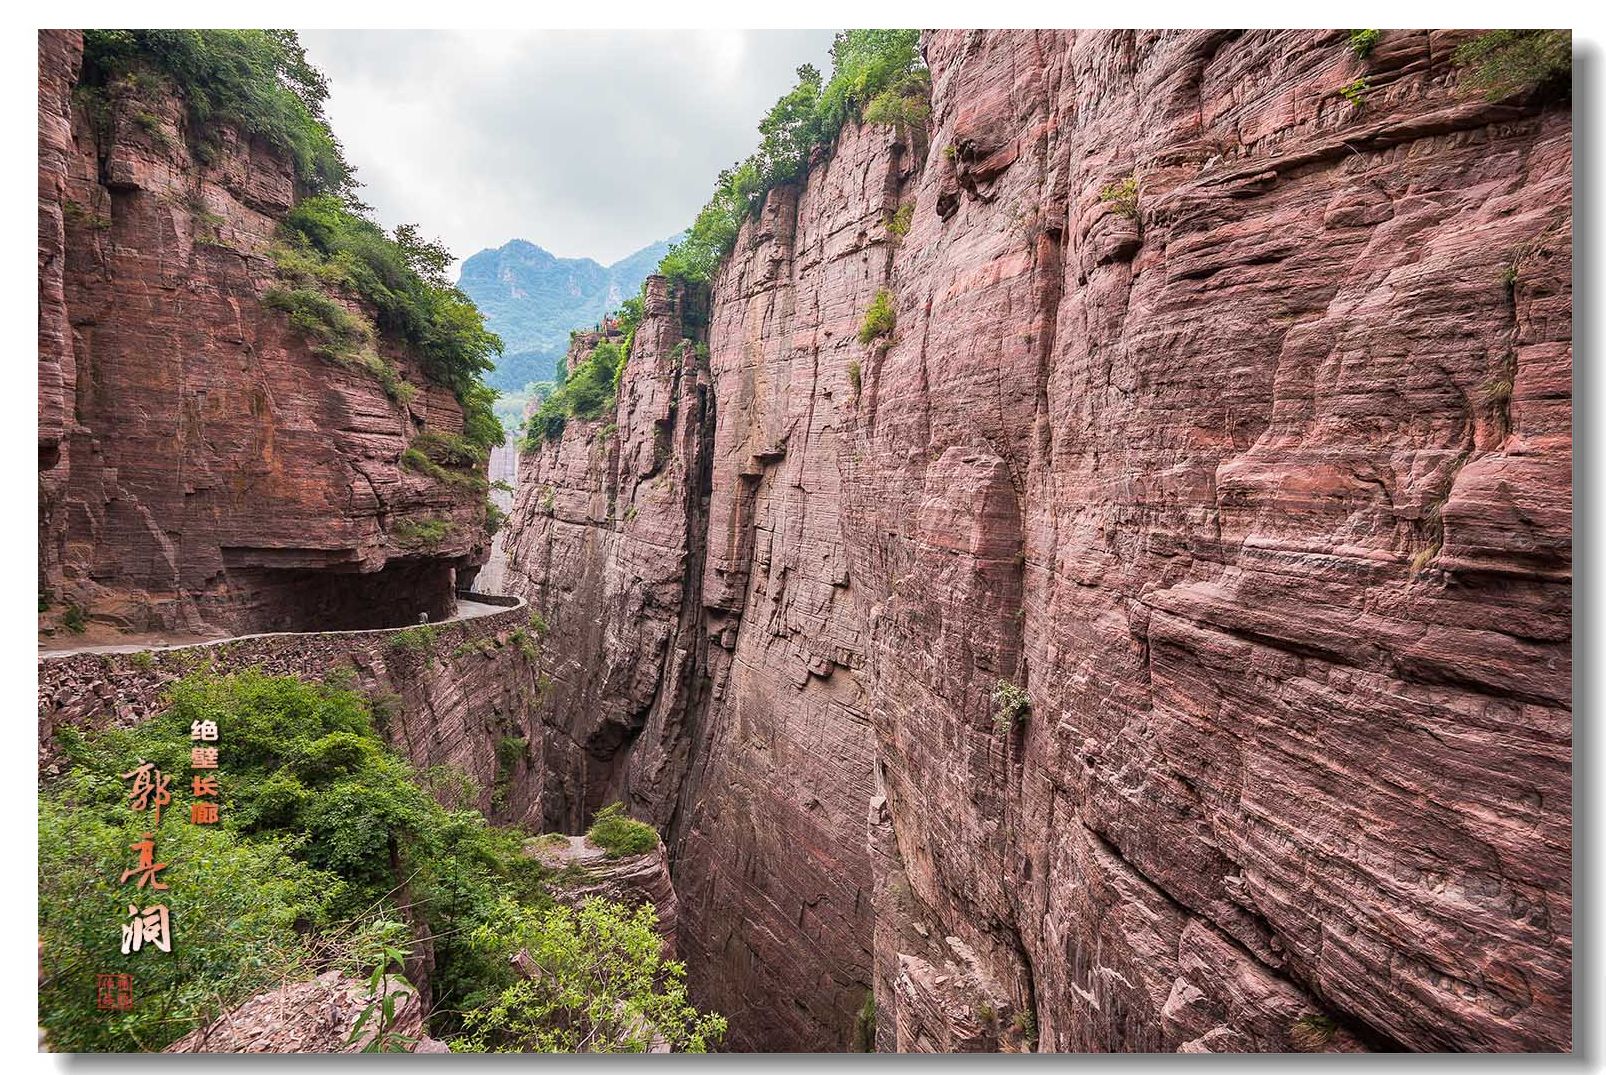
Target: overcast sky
[(588, 143)]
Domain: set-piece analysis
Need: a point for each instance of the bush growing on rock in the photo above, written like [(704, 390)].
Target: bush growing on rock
[(618, 834), (880, 319), (1503, 63), (1011, 705)]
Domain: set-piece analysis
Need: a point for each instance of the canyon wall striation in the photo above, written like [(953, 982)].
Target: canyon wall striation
[(1227, 417), (201, 469)]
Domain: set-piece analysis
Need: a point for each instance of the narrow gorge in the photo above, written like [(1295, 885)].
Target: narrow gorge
[(1091, 570)]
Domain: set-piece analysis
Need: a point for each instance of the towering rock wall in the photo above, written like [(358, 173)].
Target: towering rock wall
[(1257, 483), (200, 467)]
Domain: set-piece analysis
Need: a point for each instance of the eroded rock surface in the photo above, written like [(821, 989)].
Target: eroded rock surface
[(201, 468), (317, 1016), (1259, 488)]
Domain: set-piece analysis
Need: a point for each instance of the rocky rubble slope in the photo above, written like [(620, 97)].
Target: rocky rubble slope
[(1257, 483)]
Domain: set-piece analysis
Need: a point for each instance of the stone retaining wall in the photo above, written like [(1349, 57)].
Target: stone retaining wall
[(447, 694)]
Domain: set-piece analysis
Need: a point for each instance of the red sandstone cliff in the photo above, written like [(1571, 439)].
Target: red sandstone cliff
[(200, 468), (1261, 491)]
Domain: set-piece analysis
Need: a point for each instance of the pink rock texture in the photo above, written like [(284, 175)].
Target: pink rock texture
[(1259, 489), (315, 1016), (200, 468), (585, 871)]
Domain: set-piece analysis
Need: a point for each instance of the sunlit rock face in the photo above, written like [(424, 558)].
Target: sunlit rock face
[(1256, 482), (200, 467)]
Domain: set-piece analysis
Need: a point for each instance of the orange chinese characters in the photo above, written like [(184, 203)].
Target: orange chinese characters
[(203, 813), (149, 790), (204, 730), (205, 786), (147, 927), (148, 867), (203, 757)]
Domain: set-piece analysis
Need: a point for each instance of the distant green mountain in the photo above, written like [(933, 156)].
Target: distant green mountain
[(533, 299)]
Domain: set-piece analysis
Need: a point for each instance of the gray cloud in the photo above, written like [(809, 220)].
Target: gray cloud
[(589, 143)]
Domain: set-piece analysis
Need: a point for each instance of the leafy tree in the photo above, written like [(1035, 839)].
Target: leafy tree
[(596, 982)]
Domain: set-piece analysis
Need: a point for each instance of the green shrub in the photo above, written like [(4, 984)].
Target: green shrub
[(538, 624), (421, 531), (144, 660), (495, 517), (880, 319), (618, 834), (1504, 63), (1355, 92), (586, 393), (74, 619), (420, 639), (898, 223), (854, 375), (1122, 196), (864, 1026), (338, 331), (450, 450), (1362, 42), (602, 986), (1011, 705), (905, 105)]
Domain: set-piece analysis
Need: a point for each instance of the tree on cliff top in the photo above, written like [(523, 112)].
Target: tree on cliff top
[(864, 63)]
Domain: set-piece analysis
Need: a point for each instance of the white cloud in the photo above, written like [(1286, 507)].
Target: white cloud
[(589, 143)]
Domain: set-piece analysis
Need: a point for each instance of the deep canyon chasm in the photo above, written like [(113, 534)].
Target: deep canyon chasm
[(1261, 491)]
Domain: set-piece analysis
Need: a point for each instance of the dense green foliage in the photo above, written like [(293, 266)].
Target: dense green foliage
[(533, 300), (864, 65), (603, 985), (321, 826), (1503, 63), (586, 393), (326, 840), (258, 81), (619, 834)]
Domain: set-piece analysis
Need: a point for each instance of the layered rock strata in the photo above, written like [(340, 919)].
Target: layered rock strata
[(1226, 419), (201, 469)]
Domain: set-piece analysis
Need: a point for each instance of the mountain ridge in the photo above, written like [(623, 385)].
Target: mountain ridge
[(534, 298)]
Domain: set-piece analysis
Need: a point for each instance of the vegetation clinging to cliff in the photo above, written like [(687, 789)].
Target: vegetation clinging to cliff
[(1502, 63), (256, 80), (585, 392), (619, 834), (327, 244), (864, 64)]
